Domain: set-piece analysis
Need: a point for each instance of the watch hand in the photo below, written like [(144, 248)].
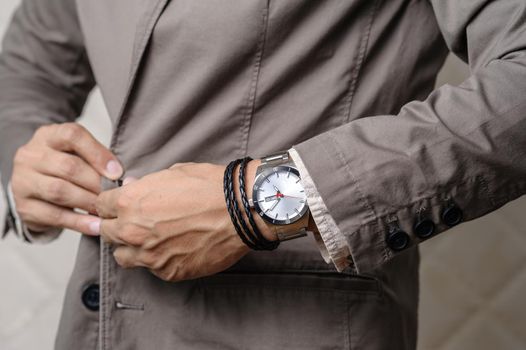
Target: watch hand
[(274, 205), (277, 189), (286, 195), (270, 198)]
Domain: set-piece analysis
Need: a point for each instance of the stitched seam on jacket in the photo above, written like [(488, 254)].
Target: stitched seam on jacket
[(485, 187), (251, 103), (346, 324), (104, 299), (360, 194), (359, 59), (354, 182)]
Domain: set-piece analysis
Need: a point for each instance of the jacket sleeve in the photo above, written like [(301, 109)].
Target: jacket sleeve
[(391, 182), (45, 76)]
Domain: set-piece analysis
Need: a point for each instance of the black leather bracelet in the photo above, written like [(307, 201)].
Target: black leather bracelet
[(231, 205), (239, 215), (262, 242)]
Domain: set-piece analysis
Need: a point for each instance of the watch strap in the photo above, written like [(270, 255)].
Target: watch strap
[(277, 159), (295, 230)]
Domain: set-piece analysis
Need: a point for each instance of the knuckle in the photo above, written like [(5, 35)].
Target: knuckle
[(122, 234), (69, 167), (157, 262), (55, 190), (120, 259), (132, 235), (70, 132), (172, 273), (43, 130), (20, 154), (137, 238), (149, 259), (165, 274), (126, 232)]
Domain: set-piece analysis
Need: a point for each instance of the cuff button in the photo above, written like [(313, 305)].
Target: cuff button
[(397, 239), (424, 228), (452, 215)]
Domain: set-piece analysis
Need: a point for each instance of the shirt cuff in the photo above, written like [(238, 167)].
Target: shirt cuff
[(331, 241), (21, 229)]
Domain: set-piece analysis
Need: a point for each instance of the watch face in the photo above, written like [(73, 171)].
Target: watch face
[(278, 195)]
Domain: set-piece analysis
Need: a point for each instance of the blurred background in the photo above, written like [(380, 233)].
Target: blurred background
[(473, 278)]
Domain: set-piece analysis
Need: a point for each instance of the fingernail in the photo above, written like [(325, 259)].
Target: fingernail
[(94, 227), (114, 169), (128, 180)]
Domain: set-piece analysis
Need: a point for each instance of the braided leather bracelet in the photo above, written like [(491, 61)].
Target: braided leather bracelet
[(231, 205), (262, 242)]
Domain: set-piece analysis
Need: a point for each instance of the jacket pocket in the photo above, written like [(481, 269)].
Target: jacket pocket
[(308, 280), (285, 309)]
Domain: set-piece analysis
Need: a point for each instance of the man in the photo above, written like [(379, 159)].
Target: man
[(343, 86)]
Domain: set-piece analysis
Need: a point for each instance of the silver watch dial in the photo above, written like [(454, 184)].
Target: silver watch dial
[(278, 195)]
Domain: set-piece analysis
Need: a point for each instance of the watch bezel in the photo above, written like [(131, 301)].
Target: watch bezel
[(260, 177)]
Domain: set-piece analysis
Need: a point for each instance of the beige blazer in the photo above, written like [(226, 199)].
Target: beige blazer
[(348, 83)]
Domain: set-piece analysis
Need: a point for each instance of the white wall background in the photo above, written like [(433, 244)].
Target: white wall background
[(473, 278)]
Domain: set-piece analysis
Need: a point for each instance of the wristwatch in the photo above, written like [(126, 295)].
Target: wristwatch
[(279, 197)]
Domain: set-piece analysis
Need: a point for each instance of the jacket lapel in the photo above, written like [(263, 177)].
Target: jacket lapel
[(144, 32)]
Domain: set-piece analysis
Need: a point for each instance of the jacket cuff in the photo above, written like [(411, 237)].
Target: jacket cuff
[(378, 234), (21, 230), (8, 223), (342, 195), (331, 241)]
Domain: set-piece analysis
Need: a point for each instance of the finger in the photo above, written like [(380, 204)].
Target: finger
[(40, 214), (128, 180), (126, 256), (70, 168), (109, 231), (72, 137), (36, 227), (107, 203), (63, 193)]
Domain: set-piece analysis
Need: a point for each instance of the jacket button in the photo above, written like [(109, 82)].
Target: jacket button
[(90, 297), (397, 239), (424, 228), (452, 215)]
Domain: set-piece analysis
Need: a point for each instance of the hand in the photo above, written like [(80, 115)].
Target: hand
[(174, 222), (58, 170)]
